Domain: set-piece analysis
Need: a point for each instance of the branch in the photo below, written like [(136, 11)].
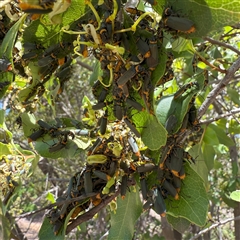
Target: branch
[(213, 41), (214, 226), (58, 204), (220, 116), (223, 83), (88, 215)]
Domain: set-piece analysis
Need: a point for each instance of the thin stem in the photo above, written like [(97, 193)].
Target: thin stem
[(222, 44), (223, 83), (215, 226)]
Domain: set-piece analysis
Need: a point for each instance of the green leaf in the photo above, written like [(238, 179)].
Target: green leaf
[(227, 199), (28, 123), (6, 50), (234, 95), (49, 34), (200, 167), (207, 15), (193, 202), (97, 71), (72, 148), (208, 155), (46, 231), (123, 222), (50, 197), (4, 227), (222, 136), (182, 44), (234, 127), (180, 224), (168, 106), (210, 137), (31, 157), (5, 149), (154, 135), (235, 195)]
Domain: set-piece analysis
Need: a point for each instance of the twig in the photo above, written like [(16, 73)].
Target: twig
[(211, 65), (88, 215), (220, 116), (213, 41), (57, 204), (214, 226), (212, 95)]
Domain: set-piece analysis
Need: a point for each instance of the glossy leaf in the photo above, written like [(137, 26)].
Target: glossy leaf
[(123, 222)]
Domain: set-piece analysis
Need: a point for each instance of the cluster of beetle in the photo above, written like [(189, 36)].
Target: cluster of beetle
[(126, 43)]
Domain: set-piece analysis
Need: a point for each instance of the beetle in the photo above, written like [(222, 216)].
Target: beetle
[(180, 24), (159, 204), (103, 95), (118, 110), (153, 59), (166, 151), (88, 184), (143, 48), (101, 175), (35, 135), (123, 187), (182, 174), (177, 183), (130, 73), (5, 65), (57, 146), (99, 106), (103, 123), (36, 9), (57, 226), (171, 190), (193, 115), (4, 84), (175, 161), (132, 127), (135, 104)]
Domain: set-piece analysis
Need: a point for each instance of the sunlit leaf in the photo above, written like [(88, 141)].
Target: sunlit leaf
[(235, 195)]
